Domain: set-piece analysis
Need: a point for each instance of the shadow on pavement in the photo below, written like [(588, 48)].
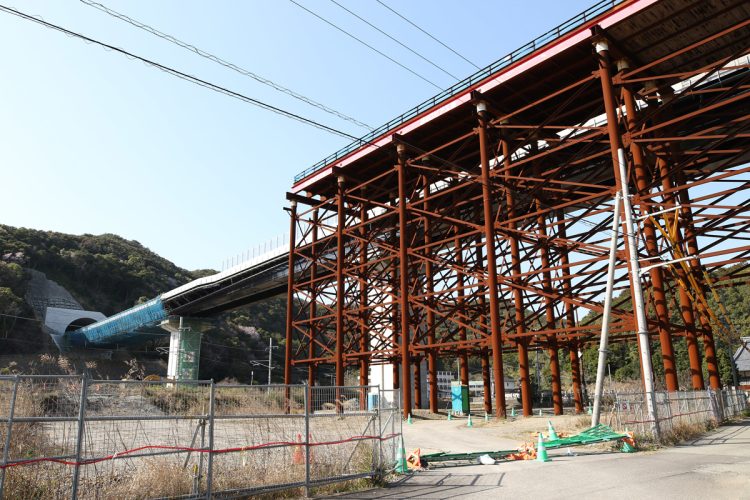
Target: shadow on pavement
[(722, 435), (437, 485)]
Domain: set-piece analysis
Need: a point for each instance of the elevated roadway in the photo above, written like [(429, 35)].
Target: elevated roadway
[(256, 279)]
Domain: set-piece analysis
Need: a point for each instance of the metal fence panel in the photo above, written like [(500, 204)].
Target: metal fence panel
[(389, 404), (43, 434), (343, 433), (69, 437), (144, 430), (627, 411), (258, 438)]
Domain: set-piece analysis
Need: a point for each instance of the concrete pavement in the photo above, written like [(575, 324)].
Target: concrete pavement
[(716, 465)]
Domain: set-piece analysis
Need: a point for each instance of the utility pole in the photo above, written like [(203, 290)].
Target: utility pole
[(638, 302), (604, 340), (270, 360)]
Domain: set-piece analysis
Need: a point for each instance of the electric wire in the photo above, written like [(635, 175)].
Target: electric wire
[(20, 317), (366, 45), (392, 38), (426, 33), (184, 76), (223, 62)]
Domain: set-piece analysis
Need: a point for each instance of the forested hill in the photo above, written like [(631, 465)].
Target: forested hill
[(105, 273), (108, 273)]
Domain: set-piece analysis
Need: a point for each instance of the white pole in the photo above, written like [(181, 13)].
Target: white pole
[(604, 341), (270, 350), (638, 304)]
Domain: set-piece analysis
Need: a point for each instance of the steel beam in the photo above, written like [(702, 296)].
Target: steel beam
[(519, 311), (403, 225), (340, 283), (290, 294), (649, 234), (430, 314), (491, 273), (691, 247), (313, 305), (463, 357)]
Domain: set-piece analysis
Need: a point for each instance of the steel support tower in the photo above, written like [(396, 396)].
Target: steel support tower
[(478, 223)]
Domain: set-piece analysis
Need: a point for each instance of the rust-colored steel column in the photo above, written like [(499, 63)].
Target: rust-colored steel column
[(290, 294), (515, 259), (492, 289), (394, 322), (649, 233), (691, 247), (549, 309), (430, 315), (615, 143), (554, 366), (313, 308), (340, 285), (417, 383), (364, 339), (463, 358), (686, 307), (575, 370), (484, 353), (486, 382), (406, 384), (524, 377), (570, 317), (688, 314)]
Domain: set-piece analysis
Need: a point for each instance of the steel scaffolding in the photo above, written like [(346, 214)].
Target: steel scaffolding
[(481, 226)]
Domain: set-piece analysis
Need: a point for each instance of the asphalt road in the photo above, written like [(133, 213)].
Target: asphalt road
[(714, 466)]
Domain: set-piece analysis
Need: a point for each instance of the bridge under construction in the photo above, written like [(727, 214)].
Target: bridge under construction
[(481, 221)]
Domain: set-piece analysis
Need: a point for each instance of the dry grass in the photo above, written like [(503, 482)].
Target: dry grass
[(42, 481), (164, 476), (228, 400), (156, 478), (681, 432), (522, 428)]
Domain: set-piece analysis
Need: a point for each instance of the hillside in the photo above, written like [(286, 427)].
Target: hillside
[(624, 359), (108, 273)]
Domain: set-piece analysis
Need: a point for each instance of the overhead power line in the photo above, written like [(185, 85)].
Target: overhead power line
[(394, 39), (223, 62), (179, 74), (428, 34), (367, 45)]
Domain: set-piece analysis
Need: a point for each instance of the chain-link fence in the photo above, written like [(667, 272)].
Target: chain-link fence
[(628, 410), (70, 437)]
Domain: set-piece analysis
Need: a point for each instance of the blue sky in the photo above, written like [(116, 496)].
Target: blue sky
[(94, 142)]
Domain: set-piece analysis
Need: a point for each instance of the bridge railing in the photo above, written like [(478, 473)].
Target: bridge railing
[(268, 248), (521, 52)]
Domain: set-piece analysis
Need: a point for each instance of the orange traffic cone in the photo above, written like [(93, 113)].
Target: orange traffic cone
[(298, 456)]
